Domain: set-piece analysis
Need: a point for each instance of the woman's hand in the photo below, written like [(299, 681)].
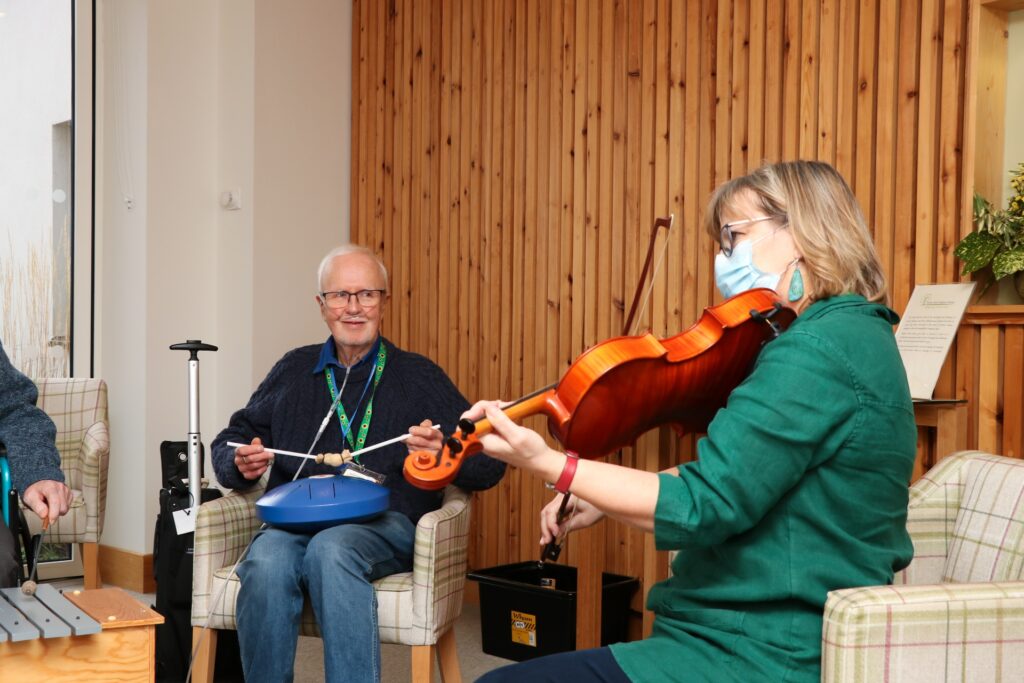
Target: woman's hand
[(507, 441), (579, 515), (252, 461)]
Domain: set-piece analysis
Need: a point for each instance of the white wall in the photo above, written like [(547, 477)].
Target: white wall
[(121, 283), (302, 164), (199, 97)]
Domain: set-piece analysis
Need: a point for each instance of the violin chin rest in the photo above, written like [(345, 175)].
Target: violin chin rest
[(315, 503)]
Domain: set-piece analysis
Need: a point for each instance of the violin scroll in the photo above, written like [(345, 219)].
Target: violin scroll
[(434, 471)]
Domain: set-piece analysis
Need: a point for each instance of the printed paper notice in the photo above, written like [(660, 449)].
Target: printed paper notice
[(927, 330)]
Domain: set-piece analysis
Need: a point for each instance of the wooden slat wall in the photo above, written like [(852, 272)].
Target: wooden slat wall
[(510, 157), (990, 362)]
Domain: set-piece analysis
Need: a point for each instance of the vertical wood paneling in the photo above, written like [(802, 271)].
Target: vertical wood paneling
[(810, 30), (509, 158), (885, 158), (846, 90), (828, 72)]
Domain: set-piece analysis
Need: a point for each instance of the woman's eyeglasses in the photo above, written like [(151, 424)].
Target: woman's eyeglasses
[(727, 240)]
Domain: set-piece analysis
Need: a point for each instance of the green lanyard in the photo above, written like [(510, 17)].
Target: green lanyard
[(364, 426)]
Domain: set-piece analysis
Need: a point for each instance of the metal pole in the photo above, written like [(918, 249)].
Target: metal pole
[(195, 462), (194, 454)]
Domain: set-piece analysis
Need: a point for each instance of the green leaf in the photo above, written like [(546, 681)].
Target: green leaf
[(977, 250), (981, 206), (1008, 262)]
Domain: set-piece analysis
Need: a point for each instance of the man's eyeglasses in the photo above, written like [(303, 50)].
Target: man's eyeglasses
[(727, 240), (367, 298)]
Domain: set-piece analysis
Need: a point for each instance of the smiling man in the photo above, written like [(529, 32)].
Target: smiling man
[(384, 390)]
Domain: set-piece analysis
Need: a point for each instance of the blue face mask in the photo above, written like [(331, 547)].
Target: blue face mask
[(737, 273)]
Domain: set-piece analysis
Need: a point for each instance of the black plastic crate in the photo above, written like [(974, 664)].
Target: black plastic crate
[(521, 618)]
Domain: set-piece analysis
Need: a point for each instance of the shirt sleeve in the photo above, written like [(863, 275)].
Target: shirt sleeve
[(28, 433), (795, 409), (246, 424)]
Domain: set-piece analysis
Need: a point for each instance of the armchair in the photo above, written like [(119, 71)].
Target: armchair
[(416, 608), (78, 407), (957, 612)]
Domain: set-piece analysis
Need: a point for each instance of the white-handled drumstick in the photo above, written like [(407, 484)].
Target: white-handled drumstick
[(332, 459)]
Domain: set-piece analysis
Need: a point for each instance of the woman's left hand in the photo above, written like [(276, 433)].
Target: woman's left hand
[(507, 441)]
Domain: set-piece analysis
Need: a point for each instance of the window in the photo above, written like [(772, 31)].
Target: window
[(36, 189)]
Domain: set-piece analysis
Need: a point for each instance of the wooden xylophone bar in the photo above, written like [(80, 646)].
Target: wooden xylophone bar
[(47, 614)]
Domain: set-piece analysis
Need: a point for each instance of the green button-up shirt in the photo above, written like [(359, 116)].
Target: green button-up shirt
[(799, 488)]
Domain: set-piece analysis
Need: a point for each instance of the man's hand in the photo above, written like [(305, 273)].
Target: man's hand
[(423, 437), (252, 460), (48, 498)]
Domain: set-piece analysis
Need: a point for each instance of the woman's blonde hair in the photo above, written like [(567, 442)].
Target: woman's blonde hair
[(813, 201)]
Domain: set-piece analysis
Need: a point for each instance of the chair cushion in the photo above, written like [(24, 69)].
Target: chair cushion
[(988, 535)]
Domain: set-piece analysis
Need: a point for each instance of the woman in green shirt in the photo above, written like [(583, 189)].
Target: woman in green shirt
[(800, 486)]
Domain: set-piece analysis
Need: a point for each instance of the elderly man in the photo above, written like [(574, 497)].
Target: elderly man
[(28, 433), (384, 390)]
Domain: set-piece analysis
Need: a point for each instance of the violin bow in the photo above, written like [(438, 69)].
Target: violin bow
[(553, 548)]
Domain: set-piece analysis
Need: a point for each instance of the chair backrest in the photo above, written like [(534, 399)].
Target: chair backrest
[(987, 543), (934, 503), (74, 405)]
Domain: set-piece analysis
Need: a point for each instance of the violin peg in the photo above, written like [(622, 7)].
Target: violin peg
[(454, 445), (467, 426)]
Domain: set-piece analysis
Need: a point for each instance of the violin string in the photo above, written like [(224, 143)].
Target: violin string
[(650, 287)]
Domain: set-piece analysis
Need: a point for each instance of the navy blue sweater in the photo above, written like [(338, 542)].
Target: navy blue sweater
[(287, 408), (26, 430)]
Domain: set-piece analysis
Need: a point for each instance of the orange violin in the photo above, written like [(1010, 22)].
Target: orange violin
[(622, 387)]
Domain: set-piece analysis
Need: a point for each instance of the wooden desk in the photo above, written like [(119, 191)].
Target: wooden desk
[(125, 650), (949, 419)]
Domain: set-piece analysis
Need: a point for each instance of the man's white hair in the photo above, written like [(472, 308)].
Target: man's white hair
[(345, 250)]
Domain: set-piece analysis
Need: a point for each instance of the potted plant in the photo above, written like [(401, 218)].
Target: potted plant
[(998, 238)]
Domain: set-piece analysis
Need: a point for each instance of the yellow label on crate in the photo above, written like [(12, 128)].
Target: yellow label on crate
[(524, 628)]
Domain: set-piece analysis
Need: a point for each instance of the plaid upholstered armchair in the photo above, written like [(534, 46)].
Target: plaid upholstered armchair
[(416, 608), (957, 612), (78, 407)]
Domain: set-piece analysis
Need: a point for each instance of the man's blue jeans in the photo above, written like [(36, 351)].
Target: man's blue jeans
[(335, 568)]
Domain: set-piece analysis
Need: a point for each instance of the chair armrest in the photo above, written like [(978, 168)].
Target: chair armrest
[(923, 633), (224, 528), (439, 561), (931, 514), (94, 461)]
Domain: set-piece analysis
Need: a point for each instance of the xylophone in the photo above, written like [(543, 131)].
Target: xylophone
[(47, 614), (90, 636)]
